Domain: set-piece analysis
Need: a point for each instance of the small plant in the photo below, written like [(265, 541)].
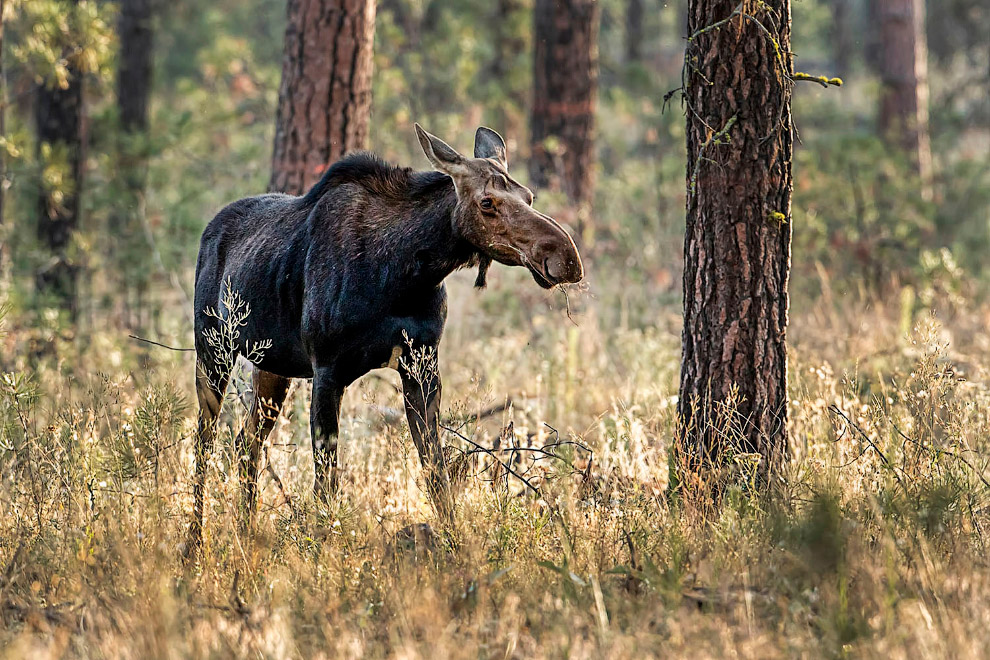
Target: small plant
[(224, 340)]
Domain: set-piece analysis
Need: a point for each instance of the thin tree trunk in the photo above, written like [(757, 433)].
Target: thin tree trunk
[(411, 24), (128, 249), (840, 37), (134, 69), (872, 43), (565, 83), (3, 155), (733, 391), (634, 30), (325, 96), (904, 80), (58, 122), (508, 45)]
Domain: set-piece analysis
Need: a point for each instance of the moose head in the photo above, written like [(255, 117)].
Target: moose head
[(495, 212)]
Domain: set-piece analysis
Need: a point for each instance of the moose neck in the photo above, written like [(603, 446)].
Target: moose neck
[(437, 248)]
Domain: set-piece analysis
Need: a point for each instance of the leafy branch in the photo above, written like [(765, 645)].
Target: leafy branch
[(824, 81)]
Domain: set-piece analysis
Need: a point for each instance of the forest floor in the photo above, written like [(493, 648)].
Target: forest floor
[(874, 544)]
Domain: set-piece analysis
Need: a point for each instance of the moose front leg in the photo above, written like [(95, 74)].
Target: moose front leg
[(421, 389), (324, 428)]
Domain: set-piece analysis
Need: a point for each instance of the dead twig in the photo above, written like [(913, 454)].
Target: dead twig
[(155, 343), (270, 469), (834, 409), (526, 482), (958, 457)]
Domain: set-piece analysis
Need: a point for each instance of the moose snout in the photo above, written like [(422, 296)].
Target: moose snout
[(547, 250), (560, 262), (565, 268)]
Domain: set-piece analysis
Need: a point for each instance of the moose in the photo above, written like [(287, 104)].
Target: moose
[(348, 278)]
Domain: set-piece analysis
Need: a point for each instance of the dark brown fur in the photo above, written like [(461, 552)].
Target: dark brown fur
[(346, 278)]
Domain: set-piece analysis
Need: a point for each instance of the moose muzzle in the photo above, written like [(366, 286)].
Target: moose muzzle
[(555, 258)]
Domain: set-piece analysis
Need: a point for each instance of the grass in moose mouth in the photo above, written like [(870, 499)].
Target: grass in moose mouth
[(885, 507)]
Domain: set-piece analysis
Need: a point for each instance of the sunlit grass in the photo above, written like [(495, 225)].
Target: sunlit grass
[(875, 545)]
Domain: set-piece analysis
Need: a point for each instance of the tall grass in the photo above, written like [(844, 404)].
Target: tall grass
[(875, 546)]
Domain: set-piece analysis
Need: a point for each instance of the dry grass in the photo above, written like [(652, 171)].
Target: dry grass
[(859, 554)]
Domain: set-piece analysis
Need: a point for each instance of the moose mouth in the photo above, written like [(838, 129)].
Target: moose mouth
[(543, 277)]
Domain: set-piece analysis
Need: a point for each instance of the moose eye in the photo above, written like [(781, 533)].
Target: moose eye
[(487, 204)]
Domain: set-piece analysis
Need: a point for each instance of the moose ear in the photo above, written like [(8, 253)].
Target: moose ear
[(489, 144), (441, 154)]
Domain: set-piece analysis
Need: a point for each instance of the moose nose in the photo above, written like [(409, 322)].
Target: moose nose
[(556, 255), (564, 266)]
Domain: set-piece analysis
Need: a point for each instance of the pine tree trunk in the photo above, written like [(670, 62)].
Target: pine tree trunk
[(565, 82), (58, 122), (738, 234), (634, 30), (904, 80), (128, 247), (325, 96)]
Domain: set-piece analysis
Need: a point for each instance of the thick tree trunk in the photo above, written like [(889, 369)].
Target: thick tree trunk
[(733, 392), (325, 96), (904, 80), (58, 121), (565, 82), (128, 247)]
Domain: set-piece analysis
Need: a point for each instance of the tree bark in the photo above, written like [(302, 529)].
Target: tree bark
[(325, 96), (128, 248), (733, 388), (58, 122), (904, 80), (565, 82)]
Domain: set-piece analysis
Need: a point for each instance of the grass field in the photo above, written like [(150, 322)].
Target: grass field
[(873, 545)]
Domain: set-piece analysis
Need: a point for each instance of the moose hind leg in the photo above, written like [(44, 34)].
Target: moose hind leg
[(211, 383), (270, 391)]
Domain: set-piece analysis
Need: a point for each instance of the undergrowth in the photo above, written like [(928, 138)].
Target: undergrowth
[(875, 544)]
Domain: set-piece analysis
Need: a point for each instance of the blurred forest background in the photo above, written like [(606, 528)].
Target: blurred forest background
[(125, 126), (147, 180)]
